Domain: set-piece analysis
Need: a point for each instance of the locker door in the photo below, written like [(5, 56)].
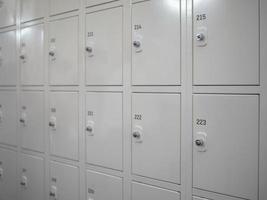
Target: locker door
[(33, 9), (32, 55), (156, 43), (8, 171), (103, 187), (63, 124), (61, 6), (7, 13), (226, 144), (32, 120), (8, 121), (64, 182), (104, 47), (8, 71), (226, 42), (97, 2), (31, 178), (156, 136), (145, 192), (104, 129), (63, 51)]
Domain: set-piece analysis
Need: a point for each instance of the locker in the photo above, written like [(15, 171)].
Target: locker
[(33, 9), (143, 192), (156, 43), (8, 58), (32, 120), (63, 51), (8, 171), (104, 47), (97, 2), (61, 6), (7, 13), (103, 187), (64, 182), (8, 120), (156, 136), (226, 144), (32, 55), (63, 124), (223, 54), (31, 178), (104, 129)]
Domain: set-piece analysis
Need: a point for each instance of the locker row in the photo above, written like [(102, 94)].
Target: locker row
[(64, 182), (156, 134), (218, 59)]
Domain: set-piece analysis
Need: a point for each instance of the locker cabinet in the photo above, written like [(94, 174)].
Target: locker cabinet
[(226, 47), (8, 64), (8, 120), (31, 178), (97, 2), (7, 13), (104, 129), (61, 6), (64, 182), (32, 55), (156, 136), (33, 9), (8, 172), (143, 192), (104, 47), (103, 187), (63, 124), (63, 51), (31, 120), (225, 158), (156, 43)]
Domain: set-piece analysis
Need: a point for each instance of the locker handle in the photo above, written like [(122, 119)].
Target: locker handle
[(52, 124), (51, 53), (136, 135), (89, 49), (200, 37)]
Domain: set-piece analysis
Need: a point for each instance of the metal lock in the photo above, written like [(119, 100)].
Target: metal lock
[(52, 53), (53, 122), (201, 37), (53, 192), (137, 134), (201, 141), (22, 56), (137, 44), (24, 182), (90, 128), (23, 118), (1, 173), (89, 49)]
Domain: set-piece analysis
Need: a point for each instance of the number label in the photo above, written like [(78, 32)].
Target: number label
[(90, 34), (201, 122), (138, 117), (137, 27), (90, 113), (201, 17)]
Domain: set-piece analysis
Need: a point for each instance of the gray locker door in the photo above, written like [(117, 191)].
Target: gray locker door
[(8, 174), (32, 55), (226, 135), (226, 42), (104, 47), (33, 9), (31, 178), (104, 129), (63, 51), (32, 120), (64, 182), (8, 71), (8, 118), (7, 13), (63, 124), (156, 136), (103, 187), (144, 192), (156, 43)]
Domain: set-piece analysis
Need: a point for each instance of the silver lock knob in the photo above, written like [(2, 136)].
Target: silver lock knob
[(52, 194), (89, 49), (200, 37), (137, 44), (52, 124), (89, 129), (136, 135), (22, 57), (21, 120), (199, 142), (51, 53)]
